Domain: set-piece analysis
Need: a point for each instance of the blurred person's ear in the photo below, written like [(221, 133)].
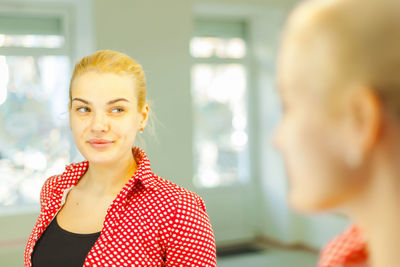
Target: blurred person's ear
[(364, 120)]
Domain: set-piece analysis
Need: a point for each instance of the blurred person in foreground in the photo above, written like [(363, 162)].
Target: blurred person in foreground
[(339, 79)]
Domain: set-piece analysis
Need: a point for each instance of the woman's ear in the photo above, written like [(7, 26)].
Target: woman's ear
[(365, 118), (144, 116)]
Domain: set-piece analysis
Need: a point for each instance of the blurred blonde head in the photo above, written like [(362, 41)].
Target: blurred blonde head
[(339, 76), (348, 42)]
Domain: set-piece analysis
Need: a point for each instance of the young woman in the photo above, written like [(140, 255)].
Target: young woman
[(111, 210), (339, 75)]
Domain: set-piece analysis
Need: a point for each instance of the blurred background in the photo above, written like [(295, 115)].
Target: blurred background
[(210, 67)]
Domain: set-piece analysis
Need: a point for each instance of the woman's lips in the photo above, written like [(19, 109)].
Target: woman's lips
[(100, 143)]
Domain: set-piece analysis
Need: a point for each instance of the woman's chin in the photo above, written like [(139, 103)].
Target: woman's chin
[(99, 158)]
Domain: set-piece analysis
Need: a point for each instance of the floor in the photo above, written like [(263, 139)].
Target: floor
[(12, 257), (270, 258)]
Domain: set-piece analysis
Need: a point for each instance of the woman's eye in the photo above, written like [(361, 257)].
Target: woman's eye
[(117, 110), (83, 109)]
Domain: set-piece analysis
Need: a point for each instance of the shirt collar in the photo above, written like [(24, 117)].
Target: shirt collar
[(143, 173)]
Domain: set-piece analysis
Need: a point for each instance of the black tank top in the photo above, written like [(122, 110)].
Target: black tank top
[(58, 247)]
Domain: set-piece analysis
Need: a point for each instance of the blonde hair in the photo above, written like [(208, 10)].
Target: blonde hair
[(365, 41), (107, 61)]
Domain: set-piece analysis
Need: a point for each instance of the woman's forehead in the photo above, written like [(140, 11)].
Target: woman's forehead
[(103, 85)]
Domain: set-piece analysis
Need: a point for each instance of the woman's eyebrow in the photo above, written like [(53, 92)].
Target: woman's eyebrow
[(108, 103), (117, 100), (80, 99)]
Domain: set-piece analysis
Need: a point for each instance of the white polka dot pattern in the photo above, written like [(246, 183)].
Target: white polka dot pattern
[(152, 222), (348, 249)]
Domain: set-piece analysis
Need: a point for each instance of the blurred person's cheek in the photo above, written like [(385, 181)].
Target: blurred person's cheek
[(313, 160)]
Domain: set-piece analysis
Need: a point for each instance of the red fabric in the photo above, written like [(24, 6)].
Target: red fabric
[(348, 249), (152, 222)]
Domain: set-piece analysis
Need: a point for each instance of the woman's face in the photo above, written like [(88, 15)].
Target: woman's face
[(104, 116), (313, 143)]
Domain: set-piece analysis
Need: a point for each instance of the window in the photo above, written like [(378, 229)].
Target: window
[(34, 68), (219, 85)]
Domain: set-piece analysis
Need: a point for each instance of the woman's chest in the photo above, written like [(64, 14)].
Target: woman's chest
[(83, 214), (133, 232), (129, 238)]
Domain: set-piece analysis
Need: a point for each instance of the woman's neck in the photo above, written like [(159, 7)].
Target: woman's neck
[(108, 179), (377, 213)]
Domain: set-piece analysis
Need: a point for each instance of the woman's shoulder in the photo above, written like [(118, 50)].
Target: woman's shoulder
[(52, 182), (178, 194), (48, 188), (347, 249)]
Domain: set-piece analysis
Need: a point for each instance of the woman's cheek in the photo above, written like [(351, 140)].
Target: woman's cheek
[(306, 159), (79, 127)]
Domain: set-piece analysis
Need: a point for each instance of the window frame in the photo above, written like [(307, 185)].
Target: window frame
[(64, 12), (246, 63), (71, 13)]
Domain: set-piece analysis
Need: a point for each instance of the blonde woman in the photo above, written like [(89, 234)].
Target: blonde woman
[(339, 76), (112, 210)]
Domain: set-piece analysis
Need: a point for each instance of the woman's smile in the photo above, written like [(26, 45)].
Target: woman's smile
[(100, 143)]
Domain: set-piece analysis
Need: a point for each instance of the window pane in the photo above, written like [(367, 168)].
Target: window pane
[(28, 40), (33, 124), (206, 47), (220, 124)]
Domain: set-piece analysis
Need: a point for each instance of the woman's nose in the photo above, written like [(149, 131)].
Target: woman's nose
[(100, 123)]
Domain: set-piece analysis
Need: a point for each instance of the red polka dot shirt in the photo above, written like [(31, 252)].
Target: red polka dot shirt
[(151, 222), (347, 250)]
